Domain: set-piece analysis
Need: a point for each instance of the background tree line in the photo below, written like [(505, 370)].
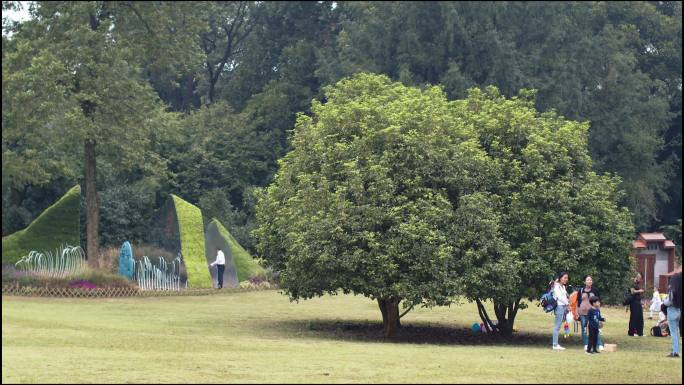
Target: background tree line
[(198, 98)]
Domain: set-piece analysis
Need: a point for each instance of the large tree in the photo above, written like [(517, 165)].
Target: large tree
[(362, 203), (545, 210), (73, 80), (617, 64)]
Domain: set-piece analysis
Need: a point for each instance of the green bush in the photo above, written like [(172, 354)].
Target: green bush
[(191, 231), (100, 278), (59, 224)]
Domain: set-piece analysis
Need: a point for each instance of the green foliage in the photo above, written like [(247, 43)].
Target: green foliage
[(615, 64), (674, 232), (239, 223), (191, 231), (126, 210), (57, 225), (245, 266), (97, 277), (545, 210), (363, 202)]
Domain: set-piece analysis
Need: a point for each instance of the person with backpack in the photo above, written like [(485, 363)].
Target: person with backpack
[(560, 294), (584, 295), (636, 311), (674, 311)]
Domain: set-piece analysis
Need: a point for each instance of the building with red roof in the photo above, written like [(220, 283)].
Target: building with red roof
[(655, 258)]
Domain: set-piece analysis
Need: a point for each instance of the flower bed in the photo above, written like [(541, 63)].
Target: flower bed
[(109, 292)]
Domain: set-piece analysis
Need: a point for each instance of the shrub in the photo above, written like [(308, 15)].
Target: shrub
[(82, 284), (109, 259), (99, 278), (256, 283)]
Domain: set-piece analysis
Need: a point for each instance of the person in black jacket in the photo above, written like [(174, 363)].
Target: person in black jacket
[(636, 311), (674, 311), (594, 324)]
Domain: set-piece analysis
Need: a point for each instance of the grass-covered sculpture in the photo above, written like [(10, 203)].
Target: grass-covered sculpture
[(244, 265), (191, 233), (126, 262), (59, 224)]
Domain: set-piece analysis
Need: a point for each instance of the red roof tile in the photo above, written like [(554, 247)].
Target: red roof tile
[(639, 244), (669, 245), (652, 236)]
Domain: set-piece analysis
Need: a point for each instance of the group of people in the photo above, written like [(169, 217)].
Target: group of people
[(589, 311)]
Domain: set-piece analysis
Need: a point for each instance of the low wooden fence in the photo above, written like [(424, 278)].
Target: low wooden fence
[(110, 292)]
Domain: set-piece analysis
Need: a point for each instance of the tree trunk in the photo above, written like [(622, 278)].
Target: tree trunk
[(92, 205), (505, 314), (390, 315), (188, 94), (212, 85), (484, 316)]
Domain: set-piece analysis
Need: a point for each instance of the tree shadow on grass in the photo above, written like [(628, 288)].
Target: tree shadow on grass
[(411, 333)]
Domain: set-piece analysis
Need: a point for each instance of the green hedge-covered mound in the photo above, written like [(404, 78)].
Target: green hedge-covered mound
[(245, 265), (191, 229), (58, 225)]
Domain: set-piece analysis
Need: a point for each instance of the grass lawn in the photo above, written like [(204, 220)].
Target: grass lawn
[(262, 337)]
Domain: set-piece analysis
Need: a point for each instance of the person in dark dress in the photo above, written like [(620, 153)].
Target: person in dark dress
[(636, 311)]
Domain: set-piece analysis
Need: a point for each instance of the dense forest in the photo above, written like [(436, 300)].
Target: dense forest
[(199, 98)]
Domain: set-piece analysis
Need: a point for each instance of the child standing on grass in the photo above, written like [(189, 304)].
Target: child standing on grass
[(655, 303), (594, 316)]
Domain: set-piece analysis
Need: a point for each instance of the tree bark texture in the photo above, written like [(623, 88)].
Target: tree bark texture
[(390, 315), (92, 205)]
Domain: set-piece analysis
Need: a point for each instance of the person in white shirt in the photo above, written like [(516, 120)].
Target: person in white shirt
[(561, 296), (220, 263), (655, 303)]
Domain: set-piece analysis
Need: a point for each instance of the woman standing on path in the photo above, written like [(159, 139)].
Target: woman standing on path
[(561, 296), (636, 311), (583, 306)]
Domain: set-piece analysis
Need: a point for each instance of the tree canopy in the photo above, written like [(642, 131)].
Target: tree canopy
[(544, 211), (242, 71), (361, 203), (398, 194)]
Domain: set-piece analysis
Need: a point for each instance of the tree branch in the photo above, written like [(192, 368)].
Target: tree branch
[(404, 313), (142, 19)]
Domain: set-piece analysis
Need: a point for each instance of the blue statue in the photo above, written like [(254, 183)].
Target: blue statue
[(126, 263)]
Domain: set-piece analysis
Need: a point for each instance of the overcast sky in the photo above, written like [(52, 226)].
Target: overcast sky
[(20, 15)]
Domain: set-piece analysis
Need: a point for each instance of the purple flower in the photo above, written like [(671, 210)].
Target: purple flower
[(83, 284)]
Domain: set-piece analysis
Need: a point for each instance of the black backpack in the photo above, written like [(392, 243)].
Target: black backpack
[(656, 332)]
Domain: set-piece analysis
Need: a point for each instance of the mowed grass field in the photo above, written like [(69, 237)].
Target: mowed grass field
[(263, 337)]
